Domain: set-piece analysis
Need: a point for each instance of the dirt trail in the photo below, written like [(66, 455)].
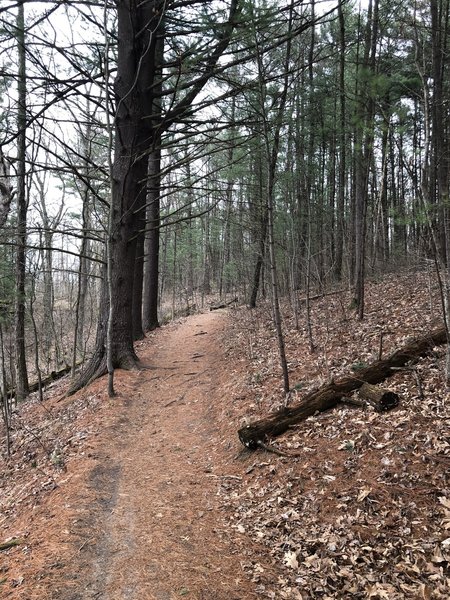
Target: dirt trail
[(156, 529)]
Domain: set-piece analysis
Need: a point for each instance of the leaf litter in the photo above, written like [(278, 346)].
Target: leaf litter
[(365, 512)]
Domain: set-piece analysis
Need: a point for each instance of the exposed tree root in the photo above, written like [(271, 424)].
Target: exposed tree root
[(97, 367)]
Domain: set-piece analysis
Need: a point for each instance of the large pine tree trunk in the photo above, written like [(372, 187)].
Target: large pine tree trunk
[(136, 85), (133, 137)]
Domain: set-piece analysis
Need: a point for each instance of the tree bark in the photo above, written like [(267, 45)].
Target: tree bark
[(138, 279), (6, 192), (340, 217), (134, 98), (259, 263), (150, 296), (83, 266), (21, 364), (364, 135), (329, 395), (272, 134), (152, 242), (260, 216)]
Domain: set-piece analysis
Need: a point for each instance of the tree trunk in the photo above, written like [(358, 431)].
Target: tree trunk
[(21, 365), (225, 276), (340, 217), (260, 218), (206, 283), (272, 133), (4, 398), (329, 395), (83, 279), (49, 334), (136, 84), (138, 283), (259, 261), (439, 179), (190, 254), (363, 148), (153, 217), (6, 192), (152, 241), (133, 134)]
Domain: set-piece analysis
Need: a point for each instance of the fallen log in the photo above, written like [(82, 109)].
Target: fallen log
[(323, 295), (223, 304), (329, 394), (45, 381), (10, 543), (378, 397)]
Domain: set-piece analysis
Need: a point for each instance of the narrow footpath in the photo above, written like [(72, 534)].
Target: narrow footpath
[(152, 526)]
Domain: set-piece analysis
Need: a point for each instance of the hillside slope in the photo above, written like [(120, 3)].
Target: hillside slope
[(150, 495)]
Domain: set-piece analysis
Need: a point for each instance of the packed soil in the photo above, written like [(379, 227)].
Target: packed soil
[(139, 514)]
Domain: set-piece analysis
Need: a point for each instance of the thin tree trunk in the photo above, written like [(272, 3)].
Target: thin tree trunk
[(152, 242), (206, 283), (308, 290), (150, 301), (6, 412), (340, 217), (83, 275), (36, 338), (49, 336), (259, 260), (21, 364), (174, 271), (189, 267), (274, 279), (260, 220), (363, 144), (272, 150), (6, 192), (226, 252)]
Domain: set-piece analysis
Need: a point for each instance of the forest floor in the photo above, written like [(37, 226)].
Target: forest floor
[(150, 496)]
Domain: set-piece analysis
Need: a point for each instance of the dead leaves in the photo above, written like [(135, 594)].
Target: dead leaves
[(365, 512)]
